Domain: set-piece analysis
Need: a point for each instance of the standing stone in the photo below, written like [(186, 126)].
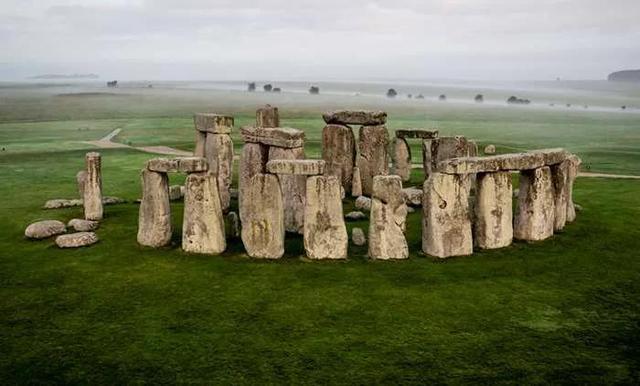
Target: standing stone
[(401, 158), (573, 174), (232, 225), (356, 183), (358, 237), (263, 223), (493, 210), (154, 220), (219, 154), (267, 116), (373, 157), (388, 219), (81, 180), (253, 161), (446, 220), (535, 213), (339, 153), (93, 187), (443, 148), (325, 233), (293, 189), (560, 177), (202, 223), (427, 163), (201, 138)]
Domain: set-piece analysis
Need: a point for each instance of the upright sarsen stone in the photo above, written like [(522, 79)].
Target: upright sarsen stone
[(154, 220), (203, 224), (574, 167), (263, 223), (339, 153), (293, 189), (325, 233), (493, 226), (93, 187), (388, 219), (535, 215), (356, 183), (81, 180), (267, 116), (446, 221), (252, 161), (401, 158), (560, 178), (373, 157), (219, 152)]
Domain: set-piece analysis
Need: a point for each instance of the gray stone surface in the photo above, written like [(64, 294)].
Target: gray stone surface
[(446, 220), (202, 223), (62, 203), (490, 150), (444, 148), (232, 225), (293, 189), (401, 159), (339, 153), (92, 200), (355, 216), (534, 219), (356, 183), (493, 227), (176, 192), (219, 153), (201, 138), (387, 223), (81, 225), (514, 161), (253, 161), (267, 116), (373, 156), (163, 165), (154, 219), (412, 196), (358, 237), (416, 133), (573, 173), (355, 117), (76, 240), (193, 164), (325, 233), (263, 222), (363, 203), (304, 167), (81, 180), (213, 123), (45, 228), (560, 178), (274, 136)]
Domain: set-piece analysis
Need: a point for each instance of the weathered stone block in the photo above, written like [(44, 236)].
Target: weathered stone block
[(267, 116), (81, 180), (303, 167), (252, 161), (274, 136), (202, 223), (388, 220), (560, 178), (92, 200), (412, 196), (193, 164), (325, 233), (293, 189), (535, 215), (373, 157), (219, 152), (76, 240), (416, 133), (263, 220), (81, 225), (573, 174), (355, 117), (493, 226), (163, 165), (213, 123), (401, 159), (514, 161), (339, 153), (446, 220), (154, 220), (356, 183), (44, 229)]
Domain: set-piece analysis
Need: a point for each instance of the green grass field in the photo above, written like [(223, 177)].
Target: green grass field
[(566, 310)]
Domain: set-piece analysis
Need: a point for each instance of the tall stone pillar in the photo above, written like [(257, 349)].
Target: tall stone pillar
[(446, 221), (560, 178), (154, 220), (252, 161), (263, 224), (325, 233), (388, 219), (373, 157), (202, 224), (339, 152), (535, 215), (574, 167), (293, 189), (493, 226), (267, 116), (401, 158), (93, 187)]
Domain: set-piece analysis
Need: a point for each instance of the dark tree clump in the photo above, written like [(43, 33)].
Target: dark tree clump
[(267, 87), (391, 93), (276, 89), (517, 101), (419, 96), (314, 90), (251, 87), (442, 97), (479, 98)]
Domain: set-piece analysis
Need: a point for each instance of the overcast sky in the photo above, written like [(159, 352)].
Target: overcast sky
[(320, 39)]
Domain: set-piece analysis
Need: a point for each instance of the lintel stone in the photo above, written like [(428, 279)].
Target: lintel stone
[(213, 123), (307, 167), (515, 161), (274, 136), (416, 133), (355, 117)]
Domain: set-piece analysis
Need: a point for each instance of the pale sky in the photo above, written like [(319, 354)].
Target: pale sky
[(320, 39)]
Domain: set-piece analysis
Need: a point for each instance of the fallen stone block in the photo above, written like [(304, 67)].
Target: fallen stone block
[(76, 240), (355, 216), (412, 196), (358, 237), (363, 203), (81, 225), (44, 229)]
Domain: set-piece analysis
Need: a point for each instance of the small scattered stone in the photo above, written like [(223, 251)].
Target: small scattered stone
[(81, 225), (232, 225), (490, 149), (76, 240), (410, 209), (363, 203), (176, 192), (355, 216), (44, 229), (358, 237), (578, 207), (412, 196), (110, 200), (62, 203)]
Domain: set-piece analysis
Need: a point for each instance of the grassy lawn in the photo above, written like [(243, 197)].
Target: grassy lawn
[(565, 310)]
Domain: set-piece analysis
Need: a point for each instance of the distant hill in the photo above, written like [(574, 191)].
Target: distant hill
[(624, 76), (66, 76)]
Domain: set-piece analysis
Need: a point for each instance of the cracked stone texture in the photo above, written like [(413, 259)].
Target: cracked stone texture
[(92, 199), (202, 222), (154, 219), (253, 161), (535, 215), (325, 233), (493, 227), (401, 158), (293, 189), (387, 223), (339, 153), (373, 155), (219, 153)]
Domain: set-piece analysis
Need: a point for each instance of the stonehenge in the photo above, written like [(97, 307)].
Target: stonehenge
[(213, 143), (401, 155)]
